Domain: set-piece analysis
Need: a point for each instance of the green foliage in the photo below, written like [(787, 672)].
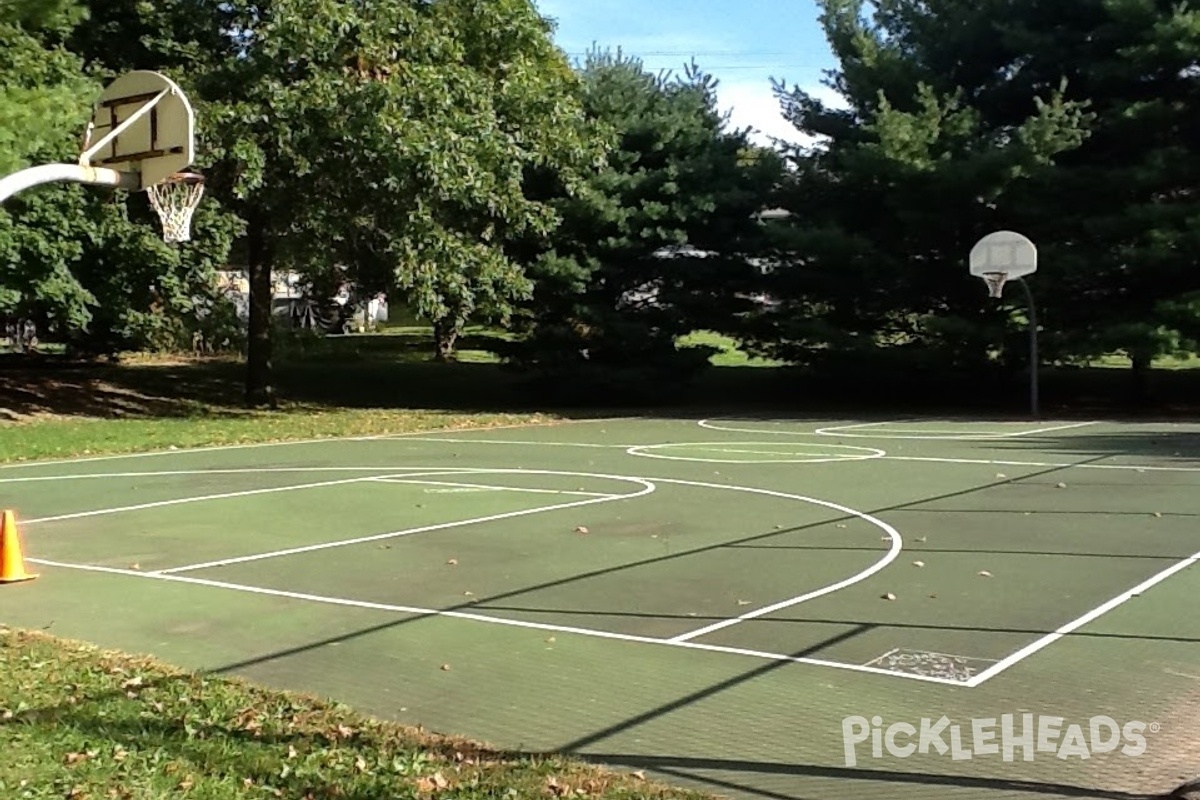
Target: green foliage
[(1072, 122), (656, 244), (44, 98), (392, 141)]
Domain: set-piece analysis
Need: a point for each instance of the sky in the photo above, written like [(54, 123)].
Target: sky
[(742, 43)]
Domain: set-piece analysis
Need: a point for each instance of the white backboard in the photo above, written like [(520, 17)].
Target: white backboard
[(160, 140), (1004, 251)]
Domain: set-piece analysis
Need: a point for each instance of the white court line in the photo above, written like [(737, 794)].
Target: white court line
[(198, 499), (647, 488), (291, 442), (894, 549), (824, 454), (1047, 464), (930, 434), (513, 442), (492, 488), (190, 472), (541, 626), (206, 497), (1094, 614), (1071, 426), (848, 431)]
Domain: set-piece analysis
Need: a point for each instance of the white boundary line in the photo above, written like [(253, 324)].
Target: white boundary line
[(290, 442), (190, 472), (1047, 464), (847, 431), (824, 456), (492, 488), (1094, 614), (429, 612), (999, 667), (204, 498), (647, 488), (515, 443)]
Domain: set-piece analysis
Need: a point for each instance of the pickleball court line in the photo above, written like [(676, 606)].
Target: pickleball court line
[(485, 618), (647, 488)]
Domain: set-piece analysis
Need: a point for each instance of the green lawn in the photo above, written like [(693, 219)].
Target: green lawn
[(80, 723)]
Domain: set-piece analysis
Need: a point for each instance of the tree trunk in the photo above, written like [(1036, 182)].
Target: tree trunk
[(445, 336), (1140, 377), (259, 391)]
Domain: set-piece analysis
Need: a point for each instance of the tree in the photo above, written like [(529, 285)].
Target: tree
[(1074, 123), (42, 93), (657, 244), (89, 265)]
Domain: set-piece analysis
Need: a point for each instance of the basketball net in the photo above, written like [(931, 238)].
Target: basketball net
[(175, 199), (995, 283)]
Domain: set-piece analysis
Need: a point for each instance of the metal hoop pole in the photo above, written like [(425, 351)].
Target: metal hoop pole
[(1034, 367), (70, 173)]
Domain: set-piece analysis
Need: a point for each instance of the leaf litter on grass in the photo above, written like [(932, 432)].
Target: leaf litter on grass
[(95, 722)]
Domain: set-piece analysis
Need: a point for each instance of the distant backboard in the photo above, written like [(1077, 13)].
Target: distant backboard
[(1004, 251), (1002, 256), (142, 123)]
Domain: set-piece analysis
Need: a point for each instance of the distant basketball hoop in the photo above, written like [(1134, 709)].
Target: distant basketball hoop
[(1001, 257)]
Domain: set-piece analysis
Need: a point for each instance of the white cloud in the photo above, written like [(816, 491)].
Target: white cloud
[(752, 104)]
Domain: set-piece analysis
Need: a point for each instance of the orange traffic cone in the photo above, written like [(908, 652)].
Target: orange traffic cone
[(12, 563)]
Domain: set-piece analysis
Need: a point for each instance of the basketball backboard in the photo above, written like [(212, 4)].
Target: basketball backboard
[(1002, 256), (144, 124)]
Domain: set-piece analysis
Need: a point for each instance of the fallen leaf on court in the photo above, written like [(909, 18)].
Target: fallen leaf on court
[(918, 563), (889, 596), (581, 529), (985, 574), (453, 562)]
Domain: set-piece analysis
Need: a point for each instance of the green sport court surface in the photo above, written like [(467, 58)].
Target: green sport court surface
[(706, 600)]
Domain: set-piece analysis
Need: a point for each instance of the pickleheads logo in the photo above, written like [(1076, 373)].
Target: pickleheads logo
[(1005, 737)]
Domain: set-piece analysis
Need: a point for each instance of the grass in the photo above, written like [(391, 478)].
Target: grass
[(80, 723), (84, 437)]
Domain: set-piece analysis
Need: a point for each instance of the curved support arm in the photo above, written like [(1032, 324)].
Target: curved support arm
[(71, 173)]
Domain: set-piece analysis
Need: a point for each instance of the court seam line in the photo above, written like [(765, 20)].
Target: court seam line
[(250, 445), (100, 512), (647, 488), (1063, 630), (505, 621)]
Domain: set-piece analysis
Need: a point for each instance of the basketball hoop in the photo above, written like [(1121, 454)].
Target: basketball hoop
[(175, 199), (995, 283)]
